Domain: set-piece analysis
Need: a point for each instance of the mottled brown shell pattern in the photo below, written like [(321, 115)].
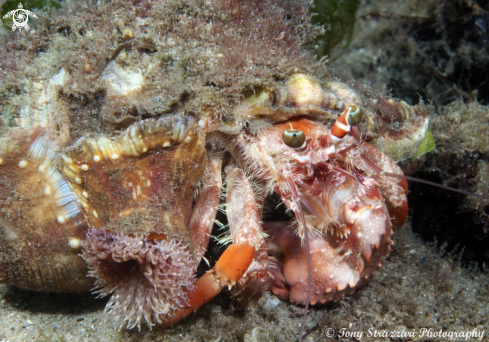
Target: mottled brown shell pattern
[(42, 217)]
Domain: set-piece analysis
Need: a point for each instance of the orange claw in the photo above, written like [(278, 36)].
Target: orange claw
[(230, 267), (233, 263)]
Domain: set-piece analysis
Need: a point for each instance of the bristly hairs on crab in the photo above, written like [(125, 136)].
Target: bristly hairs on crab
[(347, 123), (225, 238)]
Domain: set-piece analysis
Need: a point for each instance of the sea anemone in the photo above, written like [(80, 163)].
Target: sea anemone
[(148, 279)]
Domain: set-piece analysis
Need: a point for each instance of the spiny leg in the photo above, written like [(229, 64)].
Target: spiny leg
[(205, 209), (230, 267), (244, 211), (245, 227)]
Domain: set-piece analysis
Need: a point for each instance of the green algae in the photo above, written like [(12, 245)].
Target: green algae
[(338, 18), (427, 145)]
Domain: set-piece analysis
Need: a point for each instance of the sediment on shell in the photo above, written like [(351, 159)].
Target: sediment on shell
[(147, 63), (299, 95)]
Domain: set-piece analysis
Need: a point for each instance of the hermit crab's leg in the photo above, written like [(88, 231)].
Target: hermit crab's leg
[(243, 209), (205, 209), (339, 266), (245, 227), (200, 227), (230, 267)]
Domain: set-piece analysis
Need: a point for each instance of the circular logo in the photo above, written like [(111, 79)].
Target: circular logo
[(20, 17)]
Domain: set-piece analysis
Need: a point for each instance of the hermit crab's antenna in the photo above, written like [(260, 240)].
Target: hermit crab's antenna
[(298, 199), (378, 170), (309, 272), (347, 123)]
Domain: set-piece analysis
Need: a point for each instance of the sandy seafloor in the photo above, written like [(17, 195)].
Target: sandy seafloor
[(416, 288)]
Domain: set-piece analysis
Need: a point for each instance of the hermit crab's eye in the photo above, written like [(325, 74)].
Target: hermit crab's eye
[(293, 138), (355, 115)]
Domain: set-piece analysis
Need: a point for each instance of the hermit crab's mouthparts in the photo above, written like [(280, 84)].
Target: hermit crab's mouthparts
[(310, 207)]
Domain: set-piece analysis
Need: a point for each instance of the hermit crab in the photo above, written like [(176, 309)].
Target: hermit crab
[(124, 208)]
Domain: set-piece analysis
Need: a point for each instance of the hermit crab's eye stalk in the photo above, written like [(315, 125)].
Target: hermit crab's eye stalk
[(354, 116), (293, 138), (346, 123)]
